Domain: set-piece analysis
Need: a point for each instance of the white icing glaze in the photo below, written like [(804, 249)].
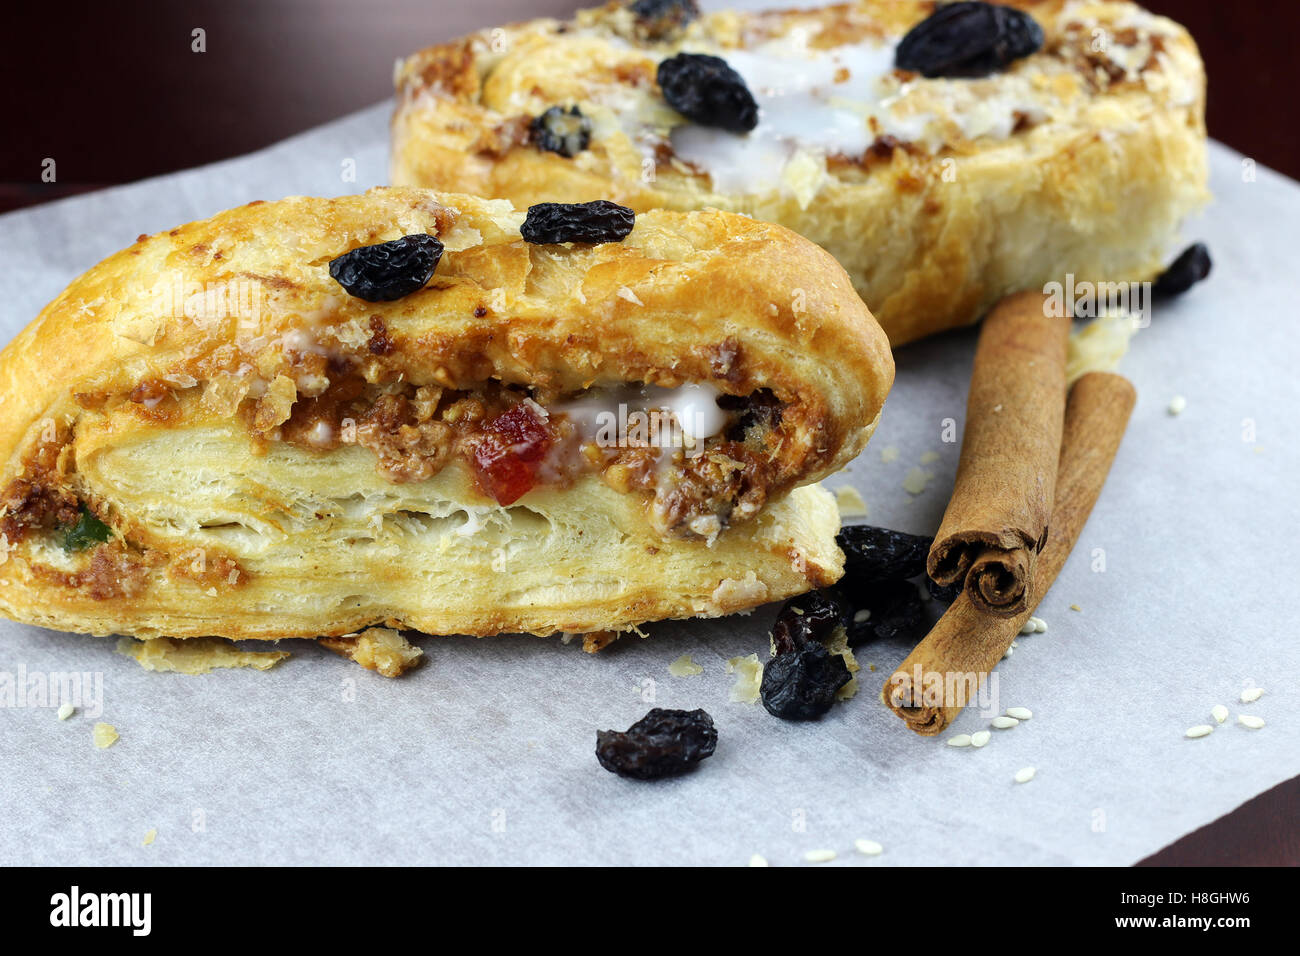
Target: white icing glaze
[(694, 406), (838, 101)]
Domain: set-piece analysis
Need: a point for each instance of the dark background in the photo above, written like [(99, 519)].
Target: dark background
[(113, 93)]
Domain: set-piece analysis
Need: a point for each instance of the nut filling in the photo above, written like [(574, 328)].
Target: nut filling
[(512, 438)]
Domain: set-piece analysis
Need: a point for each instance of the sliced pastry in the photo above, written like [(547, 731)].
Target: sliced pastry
[(945, 154), (306, 417)]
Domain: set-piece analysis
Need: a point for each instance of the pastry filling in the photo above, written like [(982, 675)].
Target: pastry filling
[(701, 459)]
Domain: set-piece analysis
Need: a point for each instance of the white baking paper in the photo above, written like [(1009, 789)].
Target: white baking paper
[(485, 755)]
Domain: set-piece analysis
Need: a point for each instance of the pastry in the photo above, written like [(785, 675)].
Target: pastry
[(306, 417), (1070, 143)]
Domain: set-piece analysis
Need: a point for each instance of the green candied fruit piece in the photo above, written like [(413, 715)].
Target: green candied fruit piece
[(87, 531)]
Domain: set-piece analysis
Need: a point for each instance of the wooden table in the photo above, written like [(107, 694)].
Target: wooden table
[(115, 92)]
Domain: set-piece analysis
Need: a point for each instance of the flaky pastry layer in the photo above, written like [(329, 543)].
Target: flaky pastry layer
[(178, 458)]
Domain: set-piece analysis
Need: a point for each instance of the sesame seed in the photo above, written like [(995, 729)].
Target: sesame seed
[(1200, 730), (1219, 713), (1075, 607), (862, 616), (869, 847), (1025, 774), (1039, 625), (1177, 404), (1020, 713), (980, 738), (961, 740), (1251, 694), (1004, 723), (1010, 651), (1029, 627), (820, 856), (757, 860), (66, 710), (1246, 720)]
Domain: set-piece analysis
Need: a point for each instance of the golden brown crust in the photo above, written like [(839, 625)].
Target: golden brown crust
[(160, 391), (931, 237)]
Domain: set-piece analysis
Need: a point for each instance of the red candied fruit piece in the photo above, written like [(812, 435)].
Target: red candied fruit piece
[(511, 450)]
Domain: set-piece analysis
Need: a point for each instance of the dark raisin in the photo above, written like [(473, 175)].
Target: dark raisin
[(661, 743), (707, 91), (1191, 266), (87, 531), (944, 594), (388, 270), (807, 619), (894, 611), (878, 554), (801, 685), (659, 18), (562, 131), (598, 221), (968, 39), (755, 415)]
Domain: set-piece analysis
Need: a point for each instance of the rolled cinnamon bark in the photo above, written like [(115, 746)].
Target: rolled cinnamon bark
[(930, 688), (996, 521)]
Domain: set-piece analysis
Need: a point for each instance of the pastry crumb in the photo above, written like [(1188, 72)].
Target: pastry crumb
[(104, 735), (378, 649), (916, 480), (1099, 345), (596, 641), (685, 666), (150, 836), (889, 453), (849, 500), (749, 679), (195, 655), (929, 457), (838, 643)]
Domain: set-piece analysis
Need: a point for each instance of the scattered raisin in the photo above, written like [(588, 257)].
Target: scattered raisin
[(1191, 266), (707, 91), (562, 131), (661, 743), (388, 270), (802, 684), (968, 39), (598, 221), (807, 619), (88, 531), (659, 18), (801, 680), (944, 594), (878, 554), (894, 612)]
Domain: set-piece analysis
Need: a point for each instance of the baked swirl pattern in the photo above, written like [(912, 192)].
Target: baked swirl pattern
[(938, 195), (206, 434)]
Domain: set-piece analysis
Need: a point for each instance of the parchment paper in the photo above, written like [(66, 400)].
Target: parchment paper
[(485, 755)]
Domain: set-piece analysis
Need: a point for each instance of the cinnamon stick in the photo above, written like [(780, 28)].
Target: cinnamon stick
[(996, 523), (930, 688)]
